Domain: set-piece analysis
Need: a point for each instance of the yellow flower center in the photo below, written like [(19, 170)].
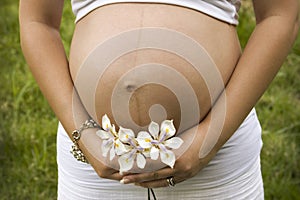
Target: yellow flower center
[(127, 136), (147, 140), (167, 130)]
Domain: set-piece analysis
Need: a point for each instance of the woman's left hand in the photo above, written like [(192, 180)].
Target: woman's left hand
[(186, 166)]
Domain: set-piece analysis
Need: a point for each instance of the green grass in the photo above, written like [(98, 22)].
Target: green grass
[(28, 126)]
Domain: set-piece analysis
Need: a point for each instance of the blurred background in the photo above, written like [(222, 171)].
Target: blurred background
[(28, 126)]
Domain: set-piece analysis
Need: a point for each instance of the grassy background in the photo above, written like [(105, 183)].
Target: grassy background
[(28, 126)]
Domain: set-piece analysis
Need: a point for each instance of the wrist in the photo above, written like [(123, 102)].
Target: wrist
[(76, 135)]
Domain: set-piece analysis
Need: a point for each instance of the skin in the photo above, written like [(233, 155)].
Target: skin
[(268, 46), (256, 68), (224, 52)]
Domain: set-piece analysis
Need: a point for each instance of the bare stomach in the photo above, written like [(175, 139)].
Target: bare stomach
[(138, 62)]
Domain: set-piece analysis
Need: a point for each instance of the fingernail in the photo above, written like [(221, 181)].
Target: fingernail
[(124, 181)]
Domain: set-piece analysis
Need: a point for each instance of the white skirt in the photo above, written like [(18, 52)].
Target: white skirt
[(234, 173)]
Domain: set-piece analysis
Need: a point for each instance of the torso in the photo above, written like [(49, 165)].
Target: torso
[(219, 40)]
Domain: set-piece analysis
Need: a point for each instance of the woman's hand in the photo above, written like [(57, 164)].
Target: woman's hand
[(90, 144), (105, 171), (186, 166)]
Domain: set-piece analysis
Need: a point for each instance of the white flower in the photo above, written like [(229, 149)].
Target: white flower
[(134, 151), (111, 142), (158, 142), (161, 142), (126, 135), (126, 160)]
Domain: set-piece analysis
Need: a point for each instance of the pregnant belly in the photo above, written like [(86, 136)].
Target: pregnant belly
[(139, 62)]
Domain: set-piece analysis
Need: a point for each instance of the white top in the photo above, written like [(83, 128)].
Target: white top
[(225, 10)]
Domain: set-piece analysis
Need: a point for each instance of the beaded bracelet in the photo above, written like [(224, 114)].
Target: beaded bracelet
[(76, 134)]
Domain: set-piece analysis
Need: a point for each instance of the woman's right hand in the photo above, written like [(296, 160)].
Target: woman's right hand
[(104, 171), (90, 144)]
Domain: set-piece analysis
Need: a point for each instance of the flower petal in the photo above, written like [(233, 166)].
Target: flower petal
[(167, 130), (113, 130), (154, 153), (106, 146), (140, 160), (168, 157), (126, 161), (120, 148), (112, 153), (144, 139), (104, 135), (154, 129), (173, 143), (125, 134), (106, 123)]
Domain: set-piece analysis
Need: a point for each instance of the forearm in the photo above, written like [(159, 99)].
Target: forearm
[(45, 55), (44, 52), (263, 55)]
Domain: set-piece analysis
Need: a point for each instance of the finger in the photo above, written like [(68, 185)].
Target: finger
[(154, 184), (149, 176), (124, 173), (115, 176), (158, 183), (109, 174)]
